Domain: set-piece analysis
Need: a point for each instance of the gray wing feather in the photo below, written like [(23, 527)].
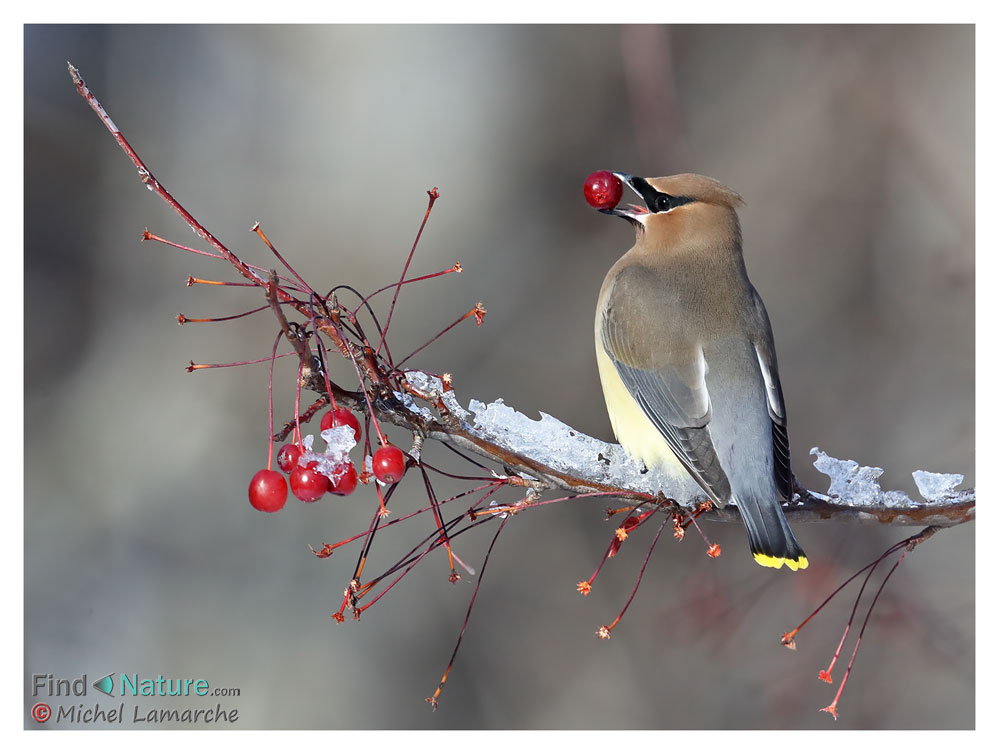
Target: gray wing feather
[(675, 399), (766, 353), (692, 446)]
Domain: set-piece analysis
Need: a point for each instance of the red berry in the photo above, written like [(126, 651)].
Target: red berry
[(288, 457), (603, 189), (308, 485), (348, 480), (388, 464), (342, 417), (268, 491)]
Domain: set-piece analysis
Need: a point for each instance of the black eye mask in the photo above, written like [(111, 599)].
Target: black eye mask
[(657, 201)]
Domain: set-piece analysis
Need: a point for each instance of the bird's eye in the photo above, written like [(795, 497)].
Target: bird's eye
[(662, 203)]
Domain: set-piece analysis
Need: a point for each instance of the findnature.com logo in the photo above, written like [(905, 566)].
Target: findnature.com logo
[(129, 686)]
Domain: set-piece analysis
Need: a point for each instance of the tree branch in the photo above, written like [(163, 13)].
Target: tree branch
[(551, 455)]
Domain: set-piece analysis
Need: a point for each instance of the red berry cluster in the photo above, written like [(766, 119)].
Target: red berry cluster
[(269, 491)]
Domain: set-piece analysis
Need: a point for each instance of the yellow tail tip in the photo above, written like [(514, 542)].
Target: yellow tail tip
[(772, 561)]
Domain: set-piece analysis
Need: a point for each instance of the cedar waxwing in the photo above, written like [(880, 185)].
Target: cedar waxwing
[(687, 361)]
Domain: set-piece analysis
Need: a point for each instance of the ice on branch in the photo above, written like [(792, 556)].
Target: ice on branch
[(850, 482), (410, 404), (853, 484), (558, 456), (567, 450), (937, 486), (430, 385)]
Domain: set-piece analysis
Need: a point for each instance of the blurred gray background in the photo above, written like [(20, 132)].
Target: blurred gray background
[(853, 146)]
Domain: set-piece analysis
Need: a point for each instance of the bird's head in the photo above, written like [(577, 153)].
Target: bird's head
[(687, 206)]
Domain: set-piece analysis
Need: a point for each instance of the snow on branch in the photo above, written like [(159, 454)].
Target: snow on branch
[(553, 455)]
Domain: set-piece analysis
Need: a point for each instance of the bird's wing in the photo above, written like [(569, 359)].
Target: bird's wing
[(763, 340), (664, 372)]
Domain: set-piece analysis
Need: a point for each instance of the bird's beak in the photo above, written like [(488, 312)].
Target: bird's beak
[(632, 212)]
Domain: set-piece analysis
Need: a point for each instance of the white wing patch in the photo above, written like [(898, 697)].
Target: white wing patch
[(773, 395)]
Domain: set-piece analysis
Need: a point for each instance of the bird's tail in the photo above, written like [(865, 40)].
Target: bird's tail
[(770, 538)]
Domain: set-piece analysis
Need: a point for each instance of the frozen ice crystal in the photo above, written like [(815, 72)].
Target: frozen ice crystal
[(935, 486), (562, 448), (848, 480), (332, 461), (407, 400), (853, 484), (429, 384)]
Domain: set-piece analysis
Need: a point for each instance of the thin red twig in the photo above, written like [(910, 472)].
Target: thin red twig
[(604, 631), (434, 195), (455, 268), (831, 709), (468, 614), (192, 367)]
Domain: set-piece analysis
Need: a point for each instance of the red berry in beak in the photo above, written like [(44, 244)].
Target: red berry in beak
[(603, 190)]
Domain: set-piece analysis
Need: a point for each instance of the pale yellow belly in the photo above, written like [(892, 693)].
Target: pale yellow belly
[(632, 428)]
